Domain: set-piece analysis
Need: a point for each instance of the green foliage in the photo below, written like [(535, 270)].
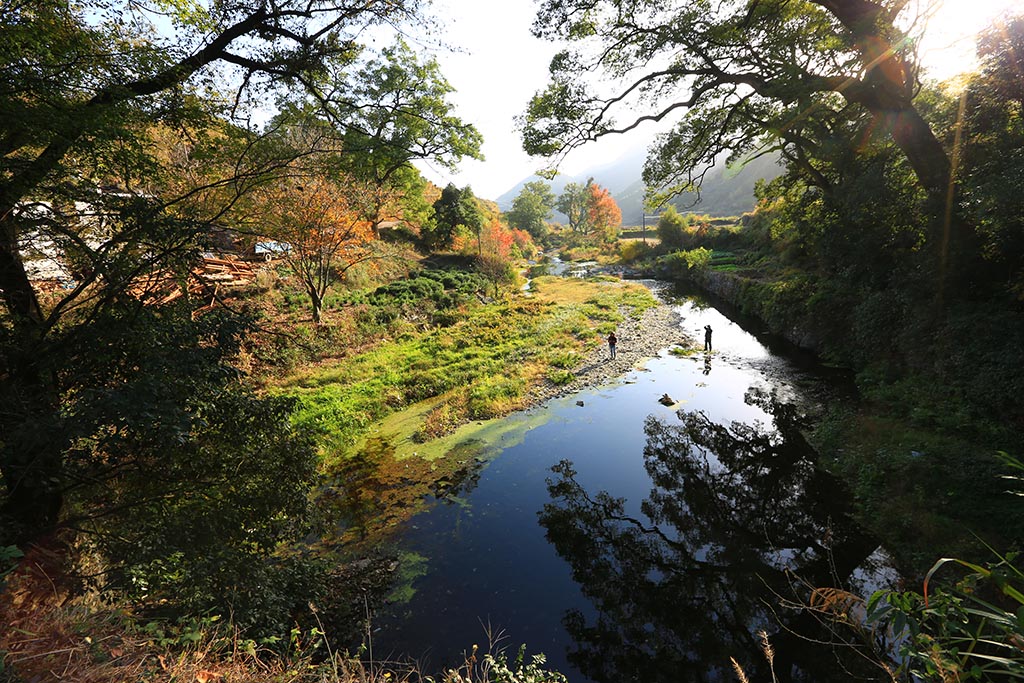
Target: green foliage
[(969, 630), (193, 500), (993, 173), (565, 361), (685, 264), (432, 294), (561, 377), (519, 671), (489, 396), (532, 208), (416, 122), (454, 209), (673, 230), (633, 251), (573, 203)]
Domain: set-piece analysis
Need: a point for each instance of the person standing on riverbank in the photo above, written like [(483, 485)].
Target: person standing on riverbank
[(707, 337), (612, 341)]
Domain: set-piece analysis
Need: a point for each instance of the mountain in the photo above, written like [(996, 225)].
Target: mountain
[(726, 191)]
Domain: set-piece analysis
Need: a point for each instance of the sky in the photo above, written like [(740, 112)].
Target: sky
[(499, 68), (499, 65)]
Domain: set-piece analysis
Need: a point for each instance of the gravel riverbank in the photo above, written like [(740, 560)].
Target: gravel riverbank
[(639, 340)]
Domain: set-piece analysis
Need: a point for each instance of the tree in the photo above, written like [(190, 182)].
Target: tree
[(573, 203), (603, 215), (324, 234), (197, 489), (992, 168), (83, 84), (591, 210), (392, 111), (532, 208), (455, 208), (741, 77), (494, 261), (673, 229)]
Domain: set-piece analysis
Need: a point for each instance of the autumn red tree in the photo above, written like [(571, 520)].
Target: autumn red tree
[(500, 245), (603, 214)]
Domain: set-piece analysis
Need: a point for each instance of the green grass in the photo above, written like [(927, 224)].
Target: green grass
[(482, 366)]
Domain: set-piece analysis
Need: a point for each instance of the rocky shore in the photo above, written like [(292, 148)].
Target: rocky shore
[(639, 340)]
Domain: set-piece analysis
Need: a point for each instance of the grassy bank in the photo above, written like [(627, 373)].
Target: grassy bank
[(485, 363), (398, 389)]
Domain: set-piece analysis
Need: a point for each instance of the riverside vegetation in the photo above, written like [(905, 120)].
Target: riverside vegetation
[(845, 255), (171, 465), (429, 351)]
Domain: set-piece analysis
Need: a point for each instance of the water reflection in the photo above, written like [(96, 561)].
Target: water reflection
[(735, 514), (373, 493)]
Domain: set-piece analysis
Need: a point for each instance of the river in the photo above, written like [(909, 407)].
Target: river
[(630, 540)]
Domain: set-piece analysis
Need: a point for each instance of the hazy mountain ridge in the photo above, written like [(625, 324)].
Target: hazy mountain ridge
[(726, 191)]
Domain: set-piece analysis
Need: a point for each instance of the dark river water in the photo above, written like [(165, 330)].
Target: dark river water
[(628, 540)]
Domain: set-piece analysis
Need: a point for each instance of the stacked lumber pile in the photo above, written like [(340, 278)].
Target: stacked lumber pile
[(204, 282), (230, 273)]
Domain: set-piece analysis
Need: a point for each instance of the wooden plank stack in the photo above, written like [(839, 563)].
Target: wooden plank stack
[(204, 282)]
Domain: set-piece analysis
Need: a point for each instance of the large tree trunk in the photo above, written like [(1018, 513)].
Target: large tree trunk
[(30, 455), (18, 295), (887, 91), (318, 306), (954, 240)]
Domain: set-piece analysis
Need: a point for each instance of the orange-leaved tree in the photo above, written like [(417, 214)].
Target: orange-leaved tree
[(499, 246), (603, 213), (321, 231)]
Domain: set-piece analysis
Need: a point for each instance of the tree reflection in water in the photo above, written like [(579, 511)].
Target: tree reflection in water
[(735, 514)]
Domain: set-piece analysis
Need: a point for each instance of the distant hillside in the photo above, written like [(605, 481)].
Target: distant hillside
[(725, 192)]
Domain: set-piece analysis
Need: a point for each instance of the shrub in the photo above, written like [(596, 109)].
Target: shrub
[(673, 229), (633, 251), (684, 264)]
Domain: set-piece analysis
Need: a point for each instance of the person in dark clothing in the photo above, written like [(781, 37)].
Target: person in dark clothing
[(707, 337), (612, 341)]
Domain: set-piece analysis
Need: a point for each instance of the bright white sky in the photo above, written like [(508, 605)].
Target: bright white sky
[(499, 69), (502, 65)]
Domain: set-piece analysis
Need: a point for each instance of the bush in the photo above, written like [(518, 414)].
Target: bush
[(633, 251), (673, 230), (685, 264)]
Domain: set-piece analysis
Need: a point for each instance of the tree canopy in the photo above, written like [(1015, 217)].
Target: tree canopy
[(455, 208), (532, 208), (591, 210), (125, 140), (739, 78)]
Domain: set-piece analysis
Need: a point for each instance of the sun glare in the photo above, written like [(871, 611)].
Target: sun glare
[(948, 45)]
